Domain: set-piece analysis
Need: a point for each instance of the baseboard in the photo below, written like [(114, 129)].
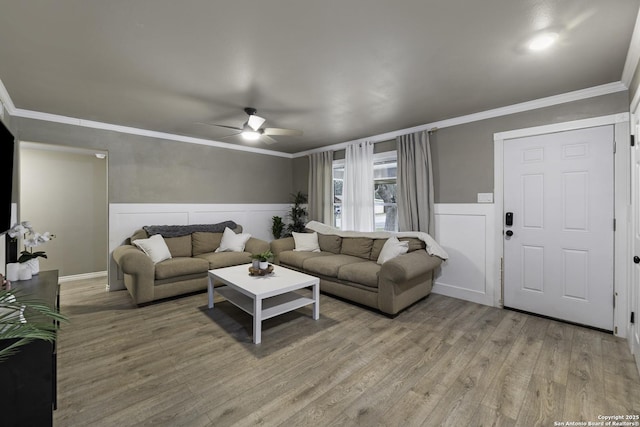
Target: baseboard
[(85, 276)]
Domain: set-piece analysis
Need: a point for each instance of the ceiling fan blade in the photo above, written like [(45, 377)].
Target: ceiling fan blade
[(282, 132), (220, 126), (255, 121), (267, 139)]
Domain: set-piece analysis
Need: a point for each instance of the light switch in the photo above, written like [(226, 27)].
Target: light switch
[(485, 197)]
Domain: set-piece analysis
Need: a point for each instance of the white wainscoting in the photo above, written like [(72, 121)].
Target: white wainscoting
[(125, 218), (466, 232)]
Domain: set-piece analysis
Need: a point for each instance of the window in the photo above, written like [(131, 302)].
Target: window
[(338, 180), (385, 208)]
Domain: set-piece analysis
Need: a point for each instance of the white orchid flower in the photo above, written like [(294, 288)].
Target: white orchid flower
[(31, 242), (45, 237), (17, 230)]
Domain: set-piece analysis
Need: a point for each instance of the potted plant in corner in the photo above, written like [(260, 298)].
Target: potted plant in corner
[(277, 226), (263, 259), (297, 214)]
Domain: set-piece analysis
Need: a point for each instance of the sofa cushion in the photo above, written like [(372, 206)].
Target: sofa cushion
[(204, 242), (376, 248), (329, 265), (357, 246), (392, 248), (155, 248), (414, 243), (330, 243), (226, 259), (296, 258), (232, 242), (139, 234), (306, 242), (365, 273), (179, 246), (180, 266)]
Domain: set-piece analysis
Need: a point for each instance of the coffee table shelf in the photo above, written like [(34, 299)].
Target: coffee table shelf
[(271, 307)]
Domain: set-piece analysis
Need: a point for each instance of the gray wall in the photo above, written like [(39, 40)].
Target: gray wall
[(150, 170), (463, 155), (66, 194)]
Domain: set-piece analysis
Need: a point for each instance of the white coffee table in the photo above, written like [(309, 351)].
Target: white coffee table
[(264, 297)]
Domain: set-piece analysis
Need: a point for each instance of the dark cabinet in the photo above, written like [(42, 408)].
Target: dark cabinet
[(28, 378)]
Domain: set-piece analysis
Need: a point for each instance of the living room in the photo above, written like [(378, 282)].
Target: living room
[(163, 166)]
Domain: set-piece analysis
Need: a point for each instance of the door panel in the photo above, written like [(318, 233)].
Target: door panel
[(634, 336), (559, 260)]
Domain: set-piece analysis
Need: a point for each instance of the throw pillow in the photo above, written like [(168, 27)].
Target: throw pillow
[(306, 242), (232, 242), (155, 248), (391, 249)]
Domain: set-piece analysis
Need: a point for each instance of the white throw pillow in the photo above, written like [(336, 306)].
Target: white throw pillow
[(232, 242), (306, 242), (155, 247), (391, 249)]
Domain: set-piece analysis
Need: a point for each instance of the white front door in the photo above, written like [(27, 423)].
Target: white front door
[(558, 262), (634, 297)]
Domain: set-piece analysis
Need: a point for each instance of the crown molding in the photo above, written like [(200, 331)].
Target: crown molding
[(6, 99), (36, 115), (577, 95), (633, 54), (549, 101)]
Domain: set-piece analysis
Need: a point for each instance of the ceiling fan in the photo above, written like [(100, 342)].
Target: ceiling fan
[(251, 130)]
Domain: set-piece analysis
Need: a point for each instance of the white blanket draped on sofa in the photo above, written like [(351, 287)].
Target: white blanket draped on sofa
[(433, 248)]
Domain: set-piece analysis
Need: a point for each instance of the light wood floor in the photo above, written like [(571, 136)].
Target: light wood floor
[(442, 362)]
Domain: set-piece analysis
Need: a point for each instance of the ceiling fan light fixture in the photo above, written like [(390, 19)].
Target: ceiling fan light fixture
[(250, 135), (542, 41), (255, 122)]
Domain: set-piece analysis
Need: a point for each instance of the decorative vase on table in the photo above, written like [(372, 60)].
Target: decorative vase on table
[(25, 272), (13, 269), (264, 265), (33, 265)]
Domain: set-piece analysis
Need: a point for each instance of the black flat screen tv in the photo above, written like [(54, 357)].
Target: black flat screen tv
[(6, 177)]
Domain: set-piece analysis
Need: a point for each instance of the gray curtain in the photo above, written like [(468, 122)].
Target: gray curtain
[(415, 183), (321, 186)]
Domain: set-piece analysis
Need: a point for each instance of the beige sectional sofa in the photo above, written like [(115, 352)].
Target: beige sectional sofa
[(192, 255), (346, 265)]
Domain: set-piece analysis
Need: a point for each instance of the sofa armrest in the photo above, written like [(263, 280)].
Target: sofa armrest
[(411, 273), (139, 272), (281, 245), (407, 266), (256, 246)]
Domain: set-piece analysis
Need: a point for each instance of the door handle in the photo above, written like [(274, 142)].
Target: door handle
[(509, 233), (636, 259)]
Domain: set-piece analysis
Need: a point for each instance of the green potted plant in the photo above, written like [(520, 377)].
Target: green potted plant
[(277, 226), (263, 259), (14, 326), (297, 214)]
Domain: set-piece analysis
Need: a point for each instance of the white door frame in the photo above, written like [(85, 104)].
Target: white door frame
[(621, 208), (631, 305)]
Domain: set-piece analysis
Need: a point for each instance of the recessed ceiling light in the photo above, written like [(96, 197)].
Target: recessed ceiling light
[(542, 41), (101, 155)]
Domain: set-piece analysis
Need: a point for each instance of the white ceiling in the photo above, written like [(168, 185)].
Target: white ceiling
[(338, 70)]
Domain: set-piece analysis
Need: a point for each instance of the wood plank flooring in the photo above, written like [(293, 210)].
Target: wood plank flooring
[(442, 362)]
